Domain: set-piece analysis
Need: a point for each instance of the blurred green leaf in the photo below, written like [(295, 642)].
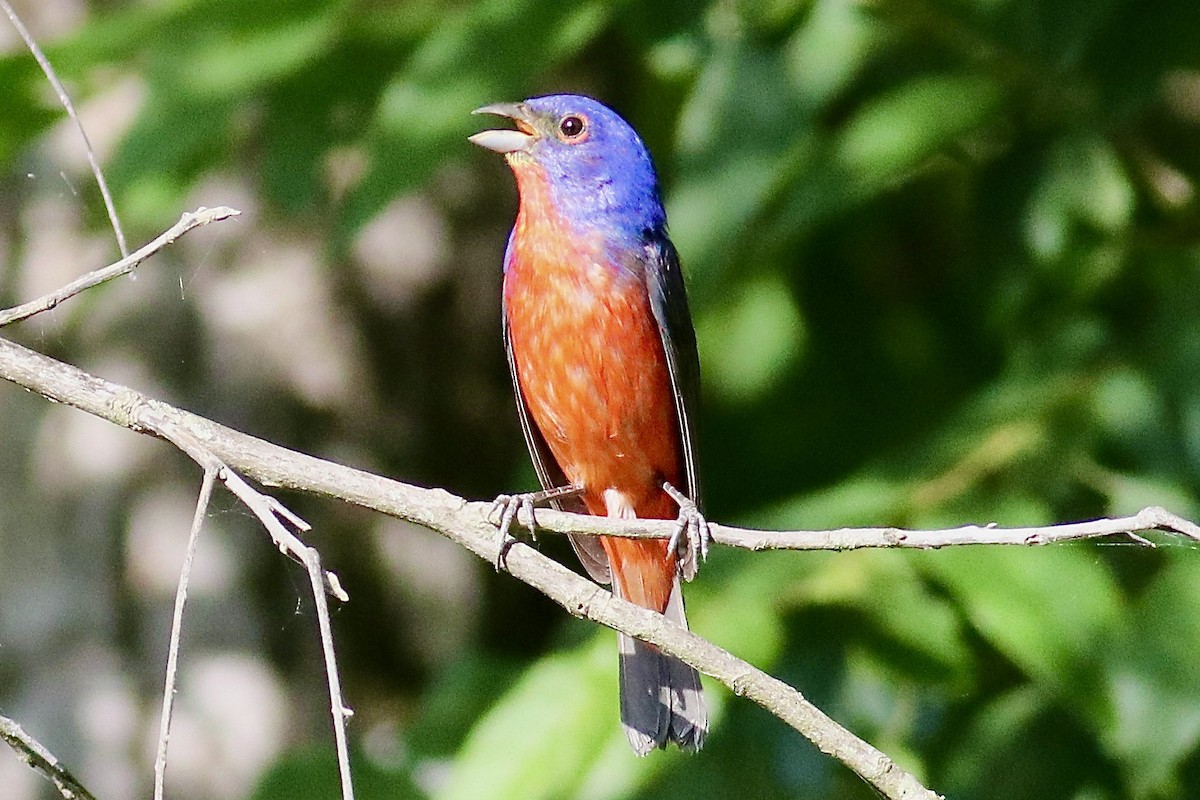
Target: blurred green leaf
[(1085, 184), (467, 61), (738, 130), (462, 692), (238, 61), (1051, 610), (854, 501), (827, 53), (749, 343), (23, 114), (164, 153), (895, 132), (996, 726), (908, 612), (1153, 680), (540, 739)]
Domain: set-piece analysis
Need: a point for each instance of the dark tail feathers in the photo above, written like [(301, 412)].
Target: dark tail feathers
[(661, 698)]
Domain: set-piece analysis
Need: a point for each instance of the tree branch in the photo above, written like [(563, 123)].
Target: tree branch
[(33, 753), (467, 524), (1148, 519), (189, 221)]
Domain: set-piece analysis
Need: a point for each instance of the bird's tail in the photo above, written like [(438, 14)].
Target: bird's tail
[(661, 698)]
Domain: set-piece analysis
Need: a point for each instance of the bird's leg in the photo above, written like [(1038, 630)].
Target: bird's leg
[(509, 506), (692, 535)]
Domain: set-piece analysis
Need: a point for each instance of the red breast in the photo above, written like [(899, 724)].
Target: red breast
[(591, 367)]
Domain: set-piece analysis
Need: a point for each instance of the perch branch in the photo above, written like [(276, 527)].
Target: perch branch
[(277, 466), (65, 100), (33, 753), (1148, 519), (465, 523), (189, 221)]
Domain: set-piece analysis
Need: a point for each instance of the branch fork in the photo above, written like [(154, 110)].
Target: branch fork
[(139, 413)]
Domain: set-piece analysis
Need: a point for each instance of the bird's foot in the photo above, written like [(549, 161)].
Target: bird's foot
[(692, 536), (508, 508)]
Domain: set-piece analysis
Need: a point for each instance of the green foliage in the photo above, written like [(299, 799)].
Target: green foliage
[(314, 773), (945, 266)]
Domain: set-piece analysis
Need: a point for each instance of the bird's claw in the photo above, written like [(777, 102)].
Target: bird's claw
[(692, 535), (509, 508)]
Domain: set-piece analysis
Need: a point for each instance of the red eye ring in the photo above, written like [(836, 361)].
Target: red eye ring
[(573, 128)]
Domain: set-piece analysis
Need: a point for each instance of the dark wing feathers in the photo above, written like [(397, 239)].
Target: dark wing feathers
[(668, 301)]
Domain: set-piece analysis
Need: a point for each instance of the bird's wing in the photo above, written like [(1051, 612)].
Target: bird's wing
[(588, 548), (668, 301)]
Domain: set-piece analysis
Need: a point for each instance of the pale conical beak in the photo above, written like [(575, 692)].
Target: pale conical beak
[(506, 140)]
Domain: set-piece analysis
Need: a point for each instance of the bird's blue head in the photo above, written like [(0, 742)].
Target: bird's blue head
[(599, 173)]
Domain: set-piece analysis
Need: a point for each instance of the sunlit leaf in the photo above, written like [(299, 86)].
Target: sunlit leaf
[(546, 730), (1084, 184), (897, 131), (748, 343)]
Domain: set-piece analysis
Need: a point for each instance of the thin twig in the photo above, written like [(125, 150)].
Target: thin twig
[(33, 753), (269, 511), (337, 707), (65, 100), (189, 221), (164, 726)]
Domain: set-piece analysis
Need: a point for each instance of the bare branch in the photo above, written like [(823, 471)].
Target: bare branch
[(148, 416), (164, 726), (465, 523), (1148, 519), (312, 560), (65, 100), (269, 511), (33, 753), (189, 221)]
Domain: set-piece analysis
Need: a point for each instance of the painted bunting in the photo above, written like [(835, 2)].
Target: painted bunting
[(603, 359)]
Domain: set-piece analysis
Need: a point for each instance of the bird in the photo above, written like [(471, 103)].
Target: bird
[(603, 359)]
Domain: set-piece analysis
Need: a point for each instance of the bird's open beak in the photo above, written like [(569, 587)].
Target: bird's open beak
[(506, 141)]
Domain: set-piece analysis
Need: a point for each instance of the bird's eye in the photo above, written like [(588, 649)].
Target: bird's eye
[(572, 127)]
